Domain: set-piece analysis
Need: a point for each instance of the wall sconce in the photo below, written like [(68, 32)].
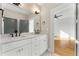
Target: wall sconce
[(36, 12)]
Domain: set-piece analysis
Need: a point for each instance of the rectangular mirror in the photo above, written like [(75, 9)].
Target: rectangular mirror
[(24, 26), (10, 25)]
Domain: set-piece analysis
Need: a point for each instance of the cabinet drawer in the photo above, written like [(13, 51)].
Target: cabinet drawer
[(13, 45)]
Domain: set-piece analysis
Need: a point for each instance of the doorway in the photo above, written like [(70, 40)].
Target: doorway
[(64, 29)]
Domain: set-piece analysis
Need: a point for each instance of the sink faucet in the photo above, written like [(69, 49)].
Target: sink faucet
[(11, 35)]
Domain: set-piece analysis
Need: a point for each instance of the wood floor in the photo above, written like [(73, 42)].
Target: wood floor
[(64, 47)]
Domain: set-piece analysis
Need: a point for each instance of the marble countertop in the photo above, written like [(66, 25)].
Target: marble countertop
[(7, 39)]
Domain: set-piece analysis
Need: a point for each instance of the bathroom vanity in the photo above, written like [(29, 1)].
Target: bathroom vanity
[(29, 45)]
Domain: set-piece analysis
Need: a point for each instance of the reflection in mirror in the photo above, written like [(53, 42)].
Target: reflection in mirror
[(24, 26), (10, 25)]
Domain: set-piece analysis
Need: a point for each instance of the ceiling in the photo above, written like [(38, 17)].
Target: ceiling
[(30, 6), (38, 6), (48, 5)]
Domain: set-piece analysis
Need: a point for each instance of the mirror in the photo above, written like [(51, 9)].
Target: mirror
[(24, 26), (10, 25)]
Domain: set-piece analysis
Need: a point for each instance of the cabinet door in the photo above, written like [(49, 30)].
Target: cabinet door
[(43, 44), (21, 51), (35, 47), (29, 50), (25, 50)]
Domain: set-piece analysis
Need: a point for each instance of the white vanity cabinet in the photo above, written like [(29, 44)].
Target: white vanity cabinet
[(33, 46), (22, 47), (16, 44)]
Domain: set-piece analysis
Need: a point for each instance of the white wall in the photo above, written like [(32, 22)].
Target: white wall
[(44, 18)]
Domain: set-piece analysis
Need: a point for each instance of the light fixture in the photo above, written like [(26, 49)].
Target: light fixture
[(36, 10), (17, 4)]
